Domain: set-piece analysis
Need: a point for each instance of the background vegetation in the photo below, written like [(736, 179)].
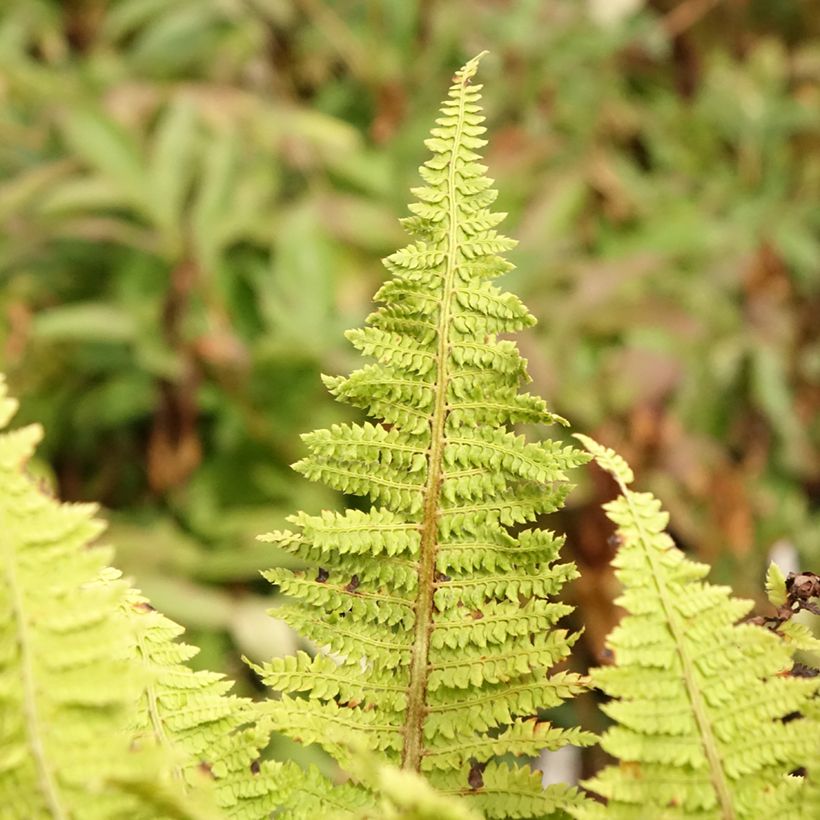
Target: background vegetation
[(194, 198)]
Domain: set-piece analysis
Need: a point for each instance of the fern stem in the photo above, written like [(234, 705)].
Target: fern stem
[(419, 666), (716, 772), (45, 776)]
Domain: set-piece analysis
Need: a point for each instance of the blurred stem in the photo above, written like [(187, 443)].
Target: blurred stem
[(174, 449)]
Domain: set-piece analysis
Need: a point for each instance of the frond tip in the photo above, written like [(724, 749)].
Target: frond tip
[(706, 713)]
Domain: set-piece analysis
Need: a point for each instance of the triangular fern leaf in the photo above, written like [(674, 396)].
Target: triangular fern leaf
[(702, 705), (436, 624)]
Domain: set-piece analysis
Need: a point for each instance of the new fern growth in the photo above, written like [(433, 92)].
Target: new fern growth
[(707, 717), (436, 620)]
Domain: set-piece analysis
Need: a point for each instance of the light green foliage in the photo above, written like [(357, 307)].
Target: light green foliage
[(664, 192), (699, 701), (68, 686), (663, 196), (775, 585), (435, 622), (99, 715), (205, 731)]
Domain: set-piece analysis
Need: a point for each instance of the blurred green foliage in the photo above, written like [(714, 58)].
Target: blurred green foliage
[(194, 197)]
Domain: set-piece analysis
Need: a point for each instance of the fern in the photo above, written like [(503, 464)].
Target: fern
[(204, 730), (700, 701), (192, 716), (437, 621), (433, 610), (67, 681), (405, 795), (99, 715)]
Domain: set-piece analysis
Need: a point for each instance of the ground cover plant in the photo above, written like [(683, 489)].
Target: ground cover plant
[(432, 612)]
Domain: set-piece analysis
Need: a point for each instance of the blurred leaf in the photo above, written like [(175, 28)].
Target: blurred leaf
[(89, 193), (170, 166), (85, 321), (298, 296), (214, 199), (800, 245), (17, 192), (175, 34), (358, 221), (257, 634), (107, 147), (127, 16), (193, 605), (770, 385), (120, 401)]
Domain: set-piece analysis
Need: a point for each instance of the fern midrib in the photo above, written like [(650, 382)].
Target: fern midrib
[(716, 772), (45, 775), (419, 665)]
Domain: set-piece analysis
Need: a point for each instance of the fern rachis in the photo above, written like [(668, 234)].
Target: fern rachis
[(417, 689)]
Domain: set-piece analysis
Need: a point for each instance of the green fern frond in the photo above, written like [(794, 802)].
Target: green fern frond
[(68, 683), (704, 707), (308, 793), (205, 731), (100, 717), (436, 623)]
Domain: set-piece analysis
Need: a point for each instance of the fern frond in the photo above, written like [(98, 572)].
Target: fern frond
[(703, 706), (100, 717), (436, 624), (202, 728), (775, 585), (68, 680)]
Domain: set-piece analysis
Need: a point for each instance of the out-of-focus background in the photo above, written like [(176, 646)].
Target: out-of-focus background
[(195, 195)]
